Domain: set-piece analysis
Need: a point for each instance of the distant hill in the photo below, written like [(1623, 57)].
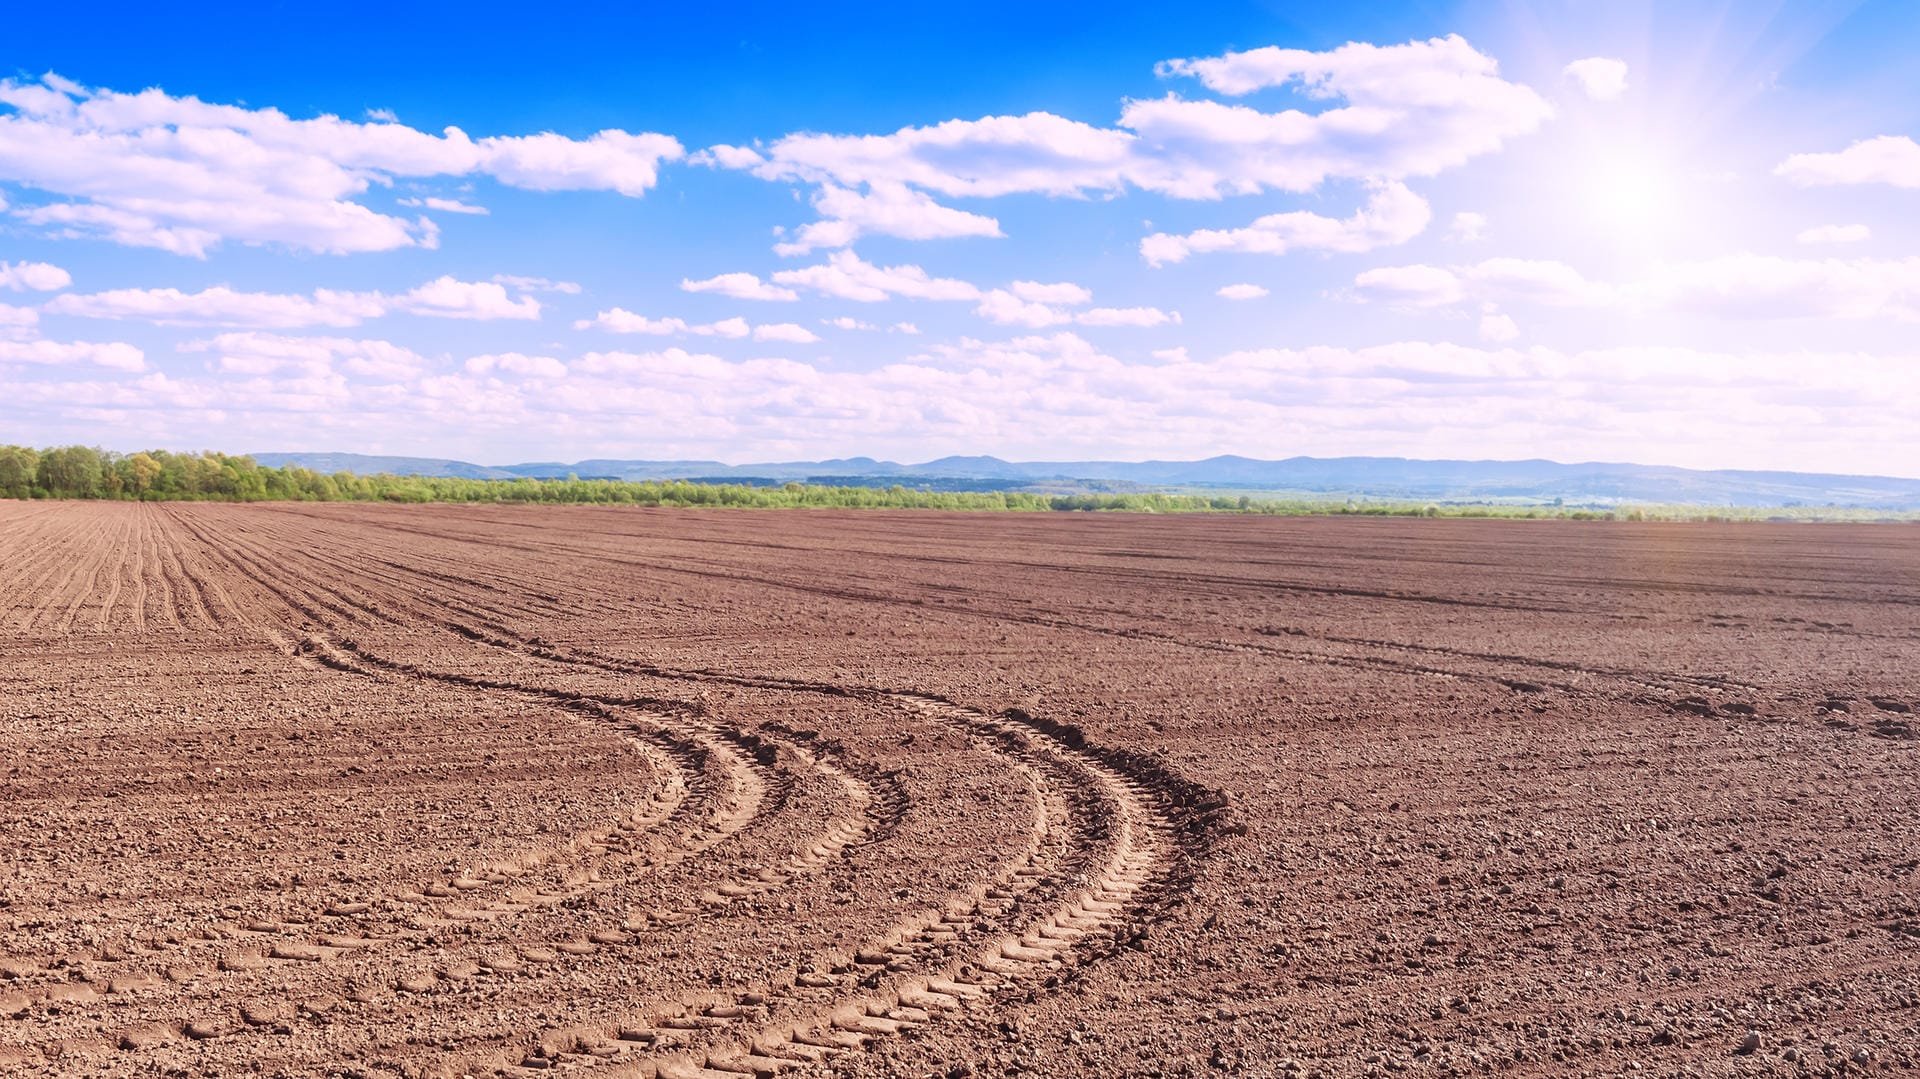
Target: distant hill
[(1533, 481), (367, 465)]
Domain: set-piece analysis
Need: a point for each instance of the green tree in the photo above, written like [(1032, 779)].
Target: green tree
[(70, 472), (142, 472), (18, 466)]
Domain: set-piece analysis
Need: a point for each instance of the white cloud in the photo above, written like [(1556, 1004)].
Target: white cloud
[(1003, 307), (1599, 77), (1126, 316), (847, 322), (1547, 282), (1467, 226), (993, 156), (17, 321), (1769, 287), (536, 284), (447, 297), (621, 320), (1057, 395), (451, 206), (1390, 112), (1007, 309), (609, 161), (1498, 328), (889, 209), (1393, 215), (182, 175), (740, 286), (785, 331), (223, 306), (1741, 286), (1834, 234), (1889, 159), (519, 364), (444, 297), (632, 363), (38, 276), (1410, 110), (848, 277), (115, 354), (728, 157), (907, 328), (1060, 292), (262, 354), (1240, 292)]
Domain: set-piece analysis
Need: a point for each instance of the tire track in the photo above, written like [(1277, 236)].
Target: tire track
[(1126, 835), (1102, 848), (872, 808), (1023, 921)]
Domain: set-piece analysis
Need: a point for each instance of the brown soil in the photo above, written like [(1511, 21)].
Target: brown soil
[(339, 790)]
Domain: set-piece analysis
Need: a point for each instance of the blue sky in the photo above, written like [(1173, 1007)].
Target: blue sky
[(1669, 233)]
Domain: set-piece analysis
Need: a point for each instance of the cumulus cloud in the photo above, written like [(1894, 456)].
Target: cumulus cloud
[(1467, 226), (847, 322), (153, 170), (1599, 77), (1410, 110), (448, 297), (1770, 287), (726, 327), (451, 206), (114, 354), (18, 323), (1393, 215), (1059, 394), (262, 354), (1834, 234), (1126, 316), (785, 331), (223, 306), (847, 276), (1540, 281), (1889, 159), (536, 284), (611, 160), (888, 209), (634, 363), (1059, 292), (1387, 112), (1009, 308), (1240, 292), (740, 286), (518, 364), (38, 276), (444, 297), (1498, 328), (1742, 286), (621, 320)]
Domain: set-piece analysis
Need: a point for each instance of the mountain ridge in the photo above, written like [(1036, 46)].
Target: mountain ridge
[(1531, 480)]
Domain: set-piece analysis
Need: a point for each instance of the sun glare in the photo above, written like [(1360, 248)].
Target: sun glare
[(1628, 195)]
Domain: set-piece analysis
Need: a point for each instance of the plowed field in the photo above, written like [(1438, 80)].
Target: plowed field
[(477, 790)]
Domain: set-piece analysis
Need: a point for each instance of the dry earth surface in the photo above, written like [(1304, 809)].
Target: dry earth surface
[(477, 790)]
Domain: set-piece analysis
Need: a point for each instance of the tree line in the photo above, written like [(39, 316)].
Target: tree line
[(157, 475)]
